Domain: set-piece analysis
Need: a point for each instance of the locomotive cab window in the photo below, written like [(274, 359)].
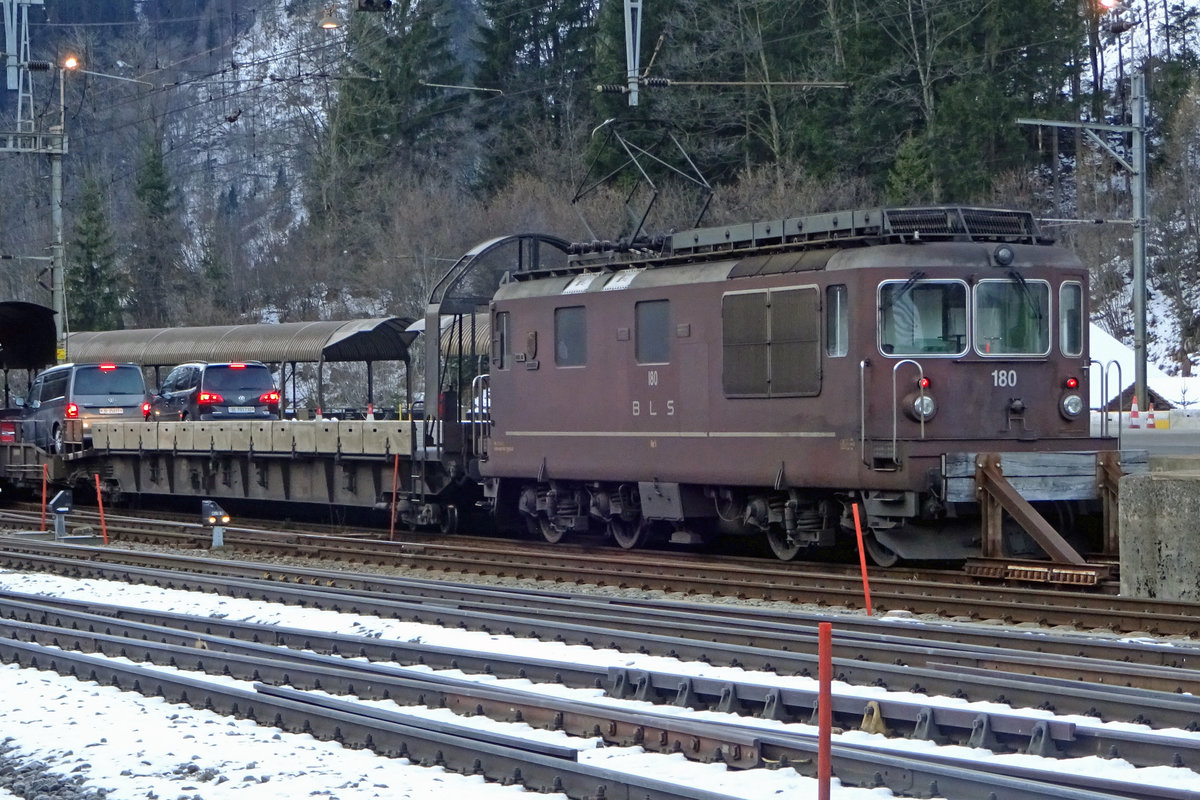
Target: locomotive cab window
[(652, 320), (570, 337), (921, 317), (1070, 312), (1012, 317)]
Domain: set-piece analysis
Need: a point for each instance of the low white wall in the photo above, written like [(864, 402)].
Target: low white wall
[(1178, 419)]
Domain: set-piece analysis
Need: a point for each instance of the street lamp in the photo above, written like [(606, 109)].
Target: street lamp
[(329, 21), (71, 63)]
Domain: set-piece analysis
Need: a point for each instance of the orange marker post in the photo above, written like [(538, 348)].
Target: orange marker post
[(824, 709), (862, 559), (45, 480), (100, 504), (395, 484)]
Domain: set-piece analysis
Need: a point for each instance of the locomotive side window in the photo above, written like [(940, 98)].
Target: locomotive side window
[(501, 341), (837, 321), (1012, 317), (919, 317), (652, 320), (771, 343), (570, 337), (1070, 312)]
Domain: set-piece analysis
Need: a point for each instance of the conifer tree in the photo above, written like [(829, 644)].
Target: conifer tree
[(94, 284), (155, 266)]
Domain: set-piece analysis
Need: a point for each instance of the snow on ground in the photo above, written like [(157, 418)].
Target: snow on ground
[(1105, 349), (144, 747)]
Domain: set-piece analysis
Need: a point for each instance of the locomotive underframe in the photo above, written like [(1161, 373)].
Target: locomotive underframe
[(948, 518)]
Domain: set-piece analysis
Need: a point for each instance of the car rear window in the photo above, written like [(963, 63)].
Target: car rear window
[(115, 380), (250, 378)]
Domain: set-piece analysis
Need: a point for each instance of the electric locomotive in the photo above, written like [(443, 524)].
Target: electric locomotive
[(765, 378)]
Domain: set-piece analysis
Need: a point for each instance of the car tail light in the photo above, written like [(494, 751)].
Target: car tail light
[(209, 398), (72, 411), (237, 366), (271, 398), (145, 409), (107, 367)]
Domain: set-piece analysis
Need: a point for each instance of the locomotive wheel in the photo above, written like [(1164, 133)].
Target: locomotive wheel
[(780, 546), (880, 553), (629, 534), (550, 533)]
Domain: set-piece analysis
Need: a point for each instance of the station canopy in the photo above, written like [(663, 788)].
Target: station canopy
[(380, 339)]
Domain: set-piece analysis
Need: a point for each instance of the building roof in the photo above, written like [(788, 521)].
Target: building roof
[(381, 339)]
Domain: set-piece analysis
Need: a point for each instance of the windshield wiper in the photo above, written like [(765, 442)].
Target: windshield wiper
[(913, 277), (1027, 293)]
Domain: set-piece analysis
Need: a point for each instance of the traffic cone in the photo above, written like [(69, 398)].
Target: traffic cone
[(1150, 416), (1133, 415)]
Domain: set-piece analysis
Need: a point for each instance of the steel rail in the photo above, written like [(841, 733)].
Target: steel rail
[(900, 592), (735, 745), (217, 654), (879, 642), (460, 748), (1158, 709)]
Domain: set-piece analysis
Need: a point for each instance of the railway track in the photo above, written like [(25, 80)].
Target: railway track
[(249, 650), (946, 594)]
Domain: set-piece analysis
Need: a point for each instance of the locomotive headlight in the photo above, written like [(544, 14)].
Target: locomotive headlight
[(1071, 406), (920, 407)]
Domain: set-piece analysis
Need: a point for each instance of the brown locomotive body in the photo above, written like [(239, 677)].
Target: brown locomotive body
[(760, 379)]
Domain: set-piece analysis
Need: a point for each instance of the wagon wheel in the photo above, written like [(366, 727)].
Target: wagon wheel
[(629, 534), (780, 546), (880, 553)]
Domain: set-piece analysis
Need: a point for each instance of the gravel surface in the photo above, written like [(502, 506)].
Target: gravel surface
[(33, 780)]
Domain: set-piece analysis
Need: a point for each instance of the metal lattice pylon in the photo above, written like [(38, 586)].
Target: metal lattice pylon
[(14, 14)]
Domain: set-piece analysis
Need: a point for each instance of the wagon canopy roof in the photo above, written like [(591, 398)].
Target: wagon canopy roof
[(27, 335), (380, 339)]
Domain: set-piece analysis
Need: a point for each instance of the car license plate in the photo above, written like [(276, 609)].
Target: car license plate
[(241, 409), (112, 411)]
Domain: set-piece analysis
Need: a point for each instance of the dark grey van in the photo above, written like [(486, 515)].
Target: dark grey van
[(200, 391), (86, 392)]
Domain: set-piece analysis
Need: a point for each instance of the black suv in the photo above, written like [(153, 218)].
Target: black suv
[(198, 391)]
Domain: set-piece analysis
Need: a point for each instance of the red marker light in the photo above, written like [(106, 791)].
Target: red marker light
[(1072, 383), (923, 383), (72, 411)]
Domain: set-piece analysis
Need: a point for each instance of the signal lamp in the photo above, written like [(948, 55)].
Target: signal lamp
[(212, 514), (1072, 383), (72, 411), (924, 383)]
